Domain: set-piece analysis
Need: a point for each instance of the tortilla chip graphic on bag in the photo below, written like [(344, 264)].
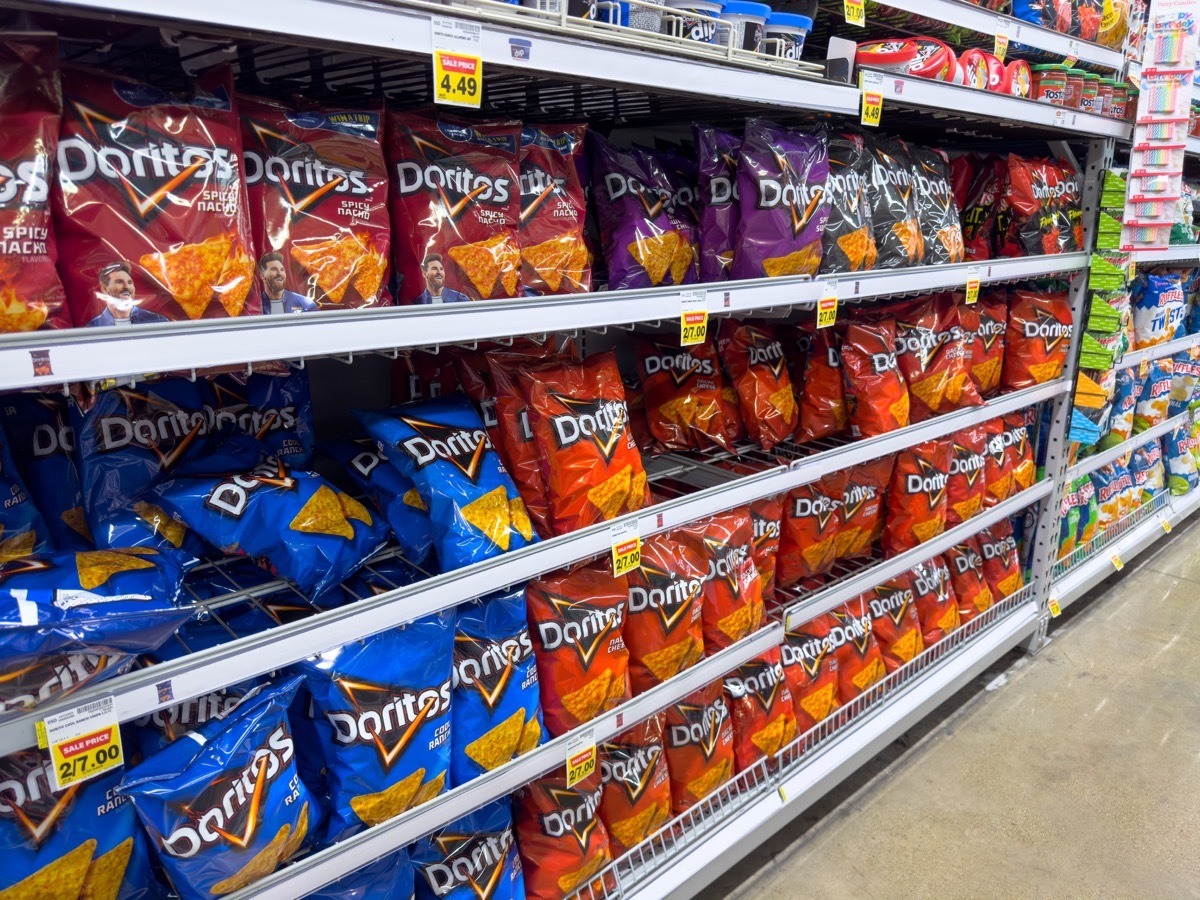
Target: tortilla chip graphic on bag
[(322, 514), (549, 258), (612, 494), (930, 528), (190, 271), (819, 703), (368, 278), (106, 872), (655, 254), (491, 515), (16, 547), (430, 789), (519, 517), (330, 263), (161, 523), (671, 660), (855, 245), (352, 509), (784, 400), (496, 747), (774, 736), (587, 702), (909, 234), (987, 375), (386, 804), (632, 831), (412, 497), (711, 780), (95, 567), (62, 878), (681, 261), (637, 489), (905, 648), (261, 865), (572, 880), (480, 264), (799, 262), (870, 674), (950, 620), (968, 508), (76, 520), (531, 737), (931, 391), (296, 841), (236, 279), (738, 623)]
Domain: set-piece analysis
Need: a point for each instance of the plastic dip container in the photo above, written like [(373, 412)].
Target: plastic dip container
[(697, 20), (1131, 103), (934, 60), (1120, 97), (975, 69), (890, 56), (1018, 79), (1104, 98), (995, 72), (641, 17), (1050, 87), (1074, 87), (746, 21), (785, 34), (1091, 91)]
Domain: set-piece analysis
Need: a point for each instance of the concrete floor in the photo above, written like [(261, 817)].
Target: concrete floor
[(1072, 774)]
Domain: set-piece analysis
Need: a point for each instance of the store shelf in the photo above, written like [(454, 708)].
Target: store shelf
[(138, 692), (1193, 147), (1170, 348), (1095, 461), (91, 354), (1175, 253)]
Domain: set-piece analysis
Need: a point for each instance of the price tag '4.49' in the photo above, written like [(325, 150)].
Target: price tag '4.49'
[(871, 85), (83, 742), (457, 65)]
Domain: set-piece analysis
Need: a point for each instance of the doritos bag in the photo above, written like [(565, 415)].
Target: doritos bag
[(859, 660), (733, 601), (138, 169), (228, 808), (753, 357), (1179, 451), (717, 154), (1001, 567), (966, 488), (810, 667), (442, 447), (764, 717), (862, 507), (674, 176), (637, 788), (876, 395), (766, 515), (576, 618), (317, 186), (978, 215), (25, 684), (276, 409), (31, 295), (496, 708), (420, 375), (934, 599), (455, 203), (1037, 339), (563, 842), (1040, 223), (917, 496), (471, 858), (1154, 398), (381, 708), (893, 208), (894, 621), (823, 399), (971, 589), (23, 531), (390, 877), (699, 745), (996, 472), (593, 467), (1018, 451), (554, 257), (988, 319), (848, 242), (937, 215), (781, 191), (934, 345), (684, 389), (812, 522)]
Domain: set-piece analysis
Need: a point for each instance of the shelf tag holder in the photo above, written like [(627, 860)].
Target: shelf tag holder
[(827, 306), (871, 85), (581, 756), (457, 64), (693, 317), (1052, 605), (626, 541), (855, 13), (972, 285), (84, 742)]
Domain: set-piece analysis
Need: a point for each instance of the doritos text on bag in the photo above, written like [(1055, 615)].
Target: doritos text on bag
[(859, 661), (933, 596), (699, 745), (733, 600), (1035, 192), (753, 357), (274, 408), (1001, 567), (684, 389), (937, 216), (894, 621), (848, 242), (966, 488), (764, 718), (862, 507), (934, 346), (971, 588), (876, 394), (562, 840), (637, 789), (554, 257), (717, 155), (812, 521), (472, 857), (1037, 340), (917, 496), (810, 667)]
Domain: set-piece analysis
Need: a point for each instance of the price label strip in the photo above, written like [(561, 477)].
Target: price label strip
[(457, 64), (1166, 524), (871, 85), (84, 742), (693, 317), (855, 12), (581, 757), (972, 285), (626, 547), (827, 306)]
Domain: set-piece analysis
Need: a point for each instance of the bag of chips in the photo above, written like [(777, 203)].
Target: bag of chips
[(876, 394), (1128, 496), (25, 684), (1108, 505), (1088, 511), (988, 320), (848, 242), (561, 838), (420, 375), (894, 220), (859, 660), (1179, 450), (1037, 339), (917, 496), (1068, 521), (812, 523), (637, 787), (894, 621), (933, 596), (934, 345), (1018, 451), (274, 408), (966, 488), (1159, 307), (1126, 392), (1040, 223), (978, 213), (996, 472), (1001, 565), (764, 717), (1154, 397), (753, 357), (822, 399), (474, 855), (455, 204), (1185, 381), (862, 507), (733, 601), (389, 877), (138, 171), (674, 176), (684, 392), (554, 257), (766, 516), (937, 216), (717, 153), (971, 589), (811, 670), (1146, 469), (781, 192), (699, 744)]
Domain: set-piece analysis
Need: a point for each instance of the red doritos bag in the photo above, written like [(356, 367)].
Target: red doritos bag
[(979, 211), (812, 521), (562, 841), (666, 601), (554, 257), (766, 515), (151, 206), (592, 466), (471, 370), (988, 320), (417, 375), (31, 296), (576, 617), (996, 472), (764, 717), (963, 169), (966, 488), (916, 497), (455, 203), (733, 601), (823, 399), (638, 424), (317, 187), (862, 507), (894, 621), (637, 788), (753, 357), (1033, 192), (1001, 567), (876, 395), (684, 395), (1038, 337), (859, 660), (810, 667), (934, 597), (971, 590), (1018, 451), (699, 744), (934, 345)]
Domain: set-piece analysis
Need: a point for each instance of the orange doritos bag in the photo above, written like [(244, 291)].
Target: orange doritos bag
[(684, 393), (733, 602), (753, 357), (810, 667), (966, 488), (476, 382), (561, 839), (766, 515), (699, 744), (1017, 450), (876, 395), (916, 496), (823, 400), (637, 789), (996, 472), (1001, 566), (862, 507), (936, 604), (638, 425), (1037, 338), (934, 347), (894, 621), (812, 521), (580, 422), (860, 663), (576, 617), (764, 718), (971, 590), (988, 320), (666, 601)]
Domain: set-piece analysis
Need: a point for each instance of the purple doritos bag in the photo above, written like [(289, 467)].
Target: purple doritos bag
[(781, 192), (675, 173), (717, 152)]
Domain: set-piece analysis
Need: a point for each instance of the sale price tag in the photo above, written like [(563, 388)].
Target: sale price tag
[(1072, 53), (581, 756), (827, 305), (855, 12), (972, 285), (1116, 561), (1166, 524), (83, 742), (1001, 46), (457, 65), (626, 547), (1055, 609), (871, 85), (693, 317), (1143, 368)]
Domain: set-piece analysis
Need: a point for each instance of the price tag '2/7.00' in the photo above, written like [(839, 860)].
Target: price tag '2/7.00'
[(83, 742), (693, 318), (581, 756), (828, 304), (626, 547)]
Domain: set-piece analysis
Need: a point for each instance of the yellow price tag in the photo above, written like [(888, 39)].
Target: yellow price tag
[(626, 547), (1143, 368), (1072, 53), (872, 108), (1055, 609), (1116, 561), (1166, 524), (782, 794), (972, 285), (84, 742), (855, 12), (693, 318), (581, 757), (457, 79), (827, 305), (1001, 47)]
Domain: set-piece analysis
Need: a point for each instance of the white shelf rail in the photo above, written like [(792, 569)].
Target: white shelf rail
[(1170, 348)]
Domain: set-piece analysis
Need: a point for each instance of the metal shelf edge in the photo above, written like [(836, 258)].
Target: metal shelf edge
[(1170, 348), (1173, 253), (1092, 463)]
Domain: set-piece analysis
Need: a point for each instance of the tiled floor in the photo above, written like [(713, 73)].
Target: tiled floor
[(1073, 774)]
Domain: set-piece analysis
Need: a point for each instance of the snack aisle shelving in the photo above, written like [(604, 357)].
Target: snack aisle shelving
[(1170, 348)]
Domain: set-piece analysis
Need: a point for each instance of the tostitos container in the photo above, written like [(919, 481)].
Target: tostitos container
[(784, 35), (1050, 87), (934, 60), (746, 21), (694, 20), (975, 68), (1018, 79), (1104, 99), (1074, 87), (1091, 92), (891, 56)]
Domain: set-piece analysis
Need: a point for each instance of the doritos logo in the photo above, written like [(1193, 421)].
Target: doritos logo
[(386, 717), (894, 173), (36, 683), (25, 182), (1049, 329), (703, 726), (932, 581), (680, 365), (766, 352), (666, 593), (631, 766), (26, 796), (175, 721), (488, 666), (765, 530), (575, 816), (458, 186), (923, 342), (821, 508), (758, 680), (990, 330), (472, 860), (653, 201), (790, 191), (928, 481), (807, 651), (883, 362), (725, 561), (722, 188), (538, 187), (855, 630), (892, 603), (583, 627), (997, 548), (966, 559), (230, 497), (464, 449), (856, 496), (306, 181), (967, 462), (600, 421), (930, 184)]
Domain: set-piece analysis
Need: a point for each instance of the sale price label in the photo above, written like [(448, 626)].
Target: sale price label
[(693, 317), (827, 306), (581, 756), (871, 85), (626, 547), (83, 742), (457, 62), (1055, 609), (855, 12), (972, 285)]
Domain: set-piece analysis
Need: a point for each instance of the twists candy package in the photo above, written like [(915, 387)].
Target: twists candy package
[(996, 473), (581, 424), (893, 208), (971, 589), (941, 232), (497, 713), (876, 395), (988, 319), (894, 621), (1001, 567), (455, 203), (810, 666), (666, 628), (554, 257), (933, 596), (764, 716), (317, 186), (31, 295), (812, 523), (381, 709), (781, 192), (979, 211), (934, 345), (442, 447), (823, 399), (275, 409), (862, 507), (753, 357), (472, 858), (859, 661), (637, 789), (733, 600), (966, 488), (1185, 381), (150, 203), (917, 496), (684, 393), (1179, 450), (1018, 451), (766, 515), (1154, 398), (563, 842), (848, 242), (1159, 306), (576, 618), (699, 745), (1037, 339), (717, 154), (228, 808)]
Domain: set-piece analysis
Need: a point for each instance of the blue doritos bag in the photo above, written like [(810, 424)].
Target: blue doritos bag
[(1146, 469), (472, 858), (155, 731), (311, 534), (388, 878), (23, 531), (1154, 398), (442, 447), (391, 493), (497, 708), (1185, 382), (1179, 449), (42, 442), (26, 684), (381, 707), (228, 807), (276, 409), (375, 578), (83, 841)]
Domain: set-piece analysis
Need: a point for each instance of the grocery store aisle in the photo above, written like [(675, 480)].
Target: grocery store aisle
[(1076, 776)]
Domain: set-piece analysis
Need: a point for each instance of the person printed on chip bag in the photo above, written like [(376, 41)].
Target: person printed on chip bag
[(276, 298), (434, 271), (117, 292)]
